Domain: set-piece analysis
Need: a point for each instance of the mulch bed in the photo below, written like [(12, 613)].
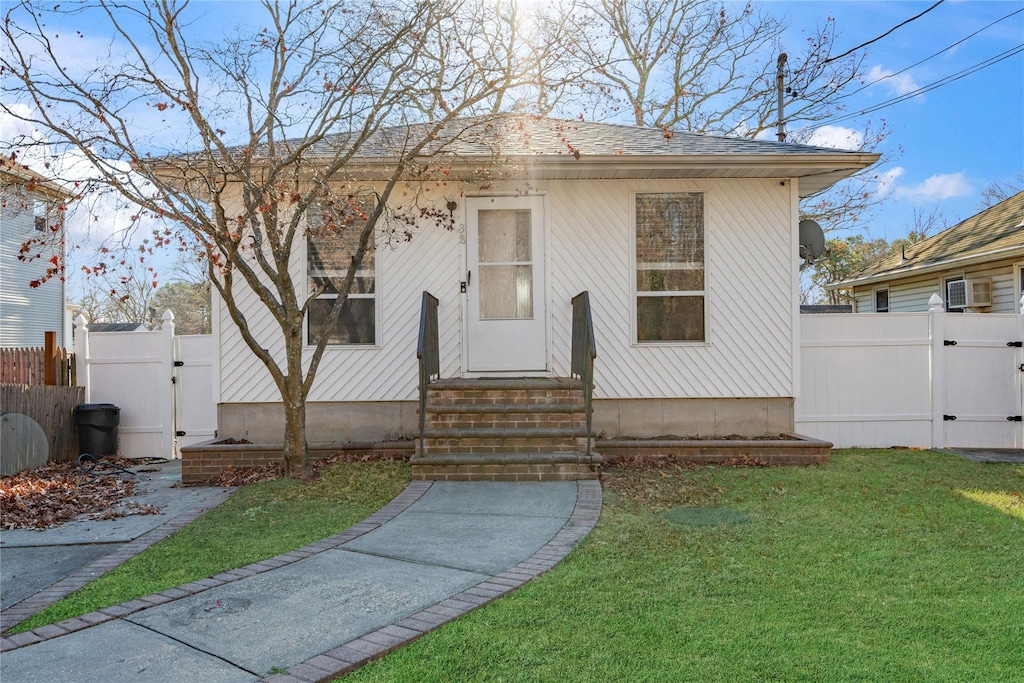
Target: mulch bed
[(57, 492)]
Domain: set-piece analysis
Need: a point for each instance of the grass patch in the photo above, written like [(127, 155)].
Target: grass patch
[(874, 567), (259, 521)]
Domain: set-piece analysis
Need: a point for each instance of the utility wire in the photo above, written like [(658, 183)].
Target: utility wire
[(945, 49), (927, 88), (875, 40)]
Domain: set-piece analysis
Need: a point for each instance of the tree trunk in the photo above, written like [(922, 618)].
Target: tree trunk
[(296, 453)]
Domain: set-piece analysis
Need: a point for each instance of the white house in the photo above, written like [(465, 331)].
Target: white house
[(30, 213), (687, 245)]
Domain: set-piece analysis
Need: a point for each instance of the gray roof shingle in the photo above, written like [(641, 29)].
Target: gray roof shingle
[(519, 134)]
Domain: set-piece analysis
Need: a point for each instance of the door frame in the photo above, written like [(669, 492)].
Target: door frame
[(545, 263)]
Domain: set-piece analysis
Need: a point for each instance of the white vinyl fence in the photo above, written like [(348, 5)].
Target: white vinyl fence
[(929, 380), (163, 385)]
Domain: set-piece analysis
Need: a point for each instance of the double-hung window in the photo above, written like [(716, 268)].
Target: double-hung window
[(333, 232), (670, 267)]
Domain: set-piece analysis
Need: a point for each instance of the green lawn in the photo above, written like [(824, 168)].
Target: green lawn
[(884, 565), (259, 521)]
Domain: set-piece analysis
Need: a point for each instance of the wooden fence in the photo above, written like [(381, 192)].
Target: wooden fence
[(49, 365), (38, 425)]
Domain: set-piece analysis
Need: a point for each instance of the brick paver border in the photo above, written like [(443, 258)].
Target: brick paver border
[(376, 644)]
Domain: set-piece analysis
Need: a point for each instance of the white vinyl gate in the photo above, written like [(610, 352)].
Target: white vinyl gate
[(163, 385), (931, 380), (195, 415), (983, 382)]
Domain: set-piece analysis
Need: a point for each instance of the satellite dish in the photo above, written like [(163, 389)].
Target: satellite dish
[(812, 241)]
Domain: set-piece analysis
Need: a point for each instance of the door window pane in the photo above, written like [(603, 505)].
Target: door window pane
[(506, 292), (504, 236)]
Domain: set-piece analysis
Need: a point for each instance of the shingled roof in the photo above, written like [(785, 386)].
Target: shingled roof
[(524, 135), (996, 232), (541, 148), (549, 148)]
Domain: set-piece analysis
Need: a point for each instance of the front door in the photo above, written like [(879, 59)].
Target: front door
[(506, 329)]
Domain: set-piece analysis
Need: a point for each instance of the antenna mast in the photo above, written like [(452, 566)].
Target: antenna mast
[(780, 86)]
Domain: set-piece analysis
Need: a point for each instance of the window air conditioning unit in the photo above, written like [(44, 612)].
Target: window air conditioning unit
[(969, 293)]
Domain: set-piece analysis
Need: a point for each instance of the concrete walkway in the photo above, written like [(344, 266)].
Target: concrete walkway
[(39, 567), (434, 553)]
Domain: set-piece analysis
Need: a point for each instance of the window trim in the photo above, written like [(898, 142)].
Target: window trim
[(874, 299), (1019, 282), (634, 294), (377, 326), (40, 215)]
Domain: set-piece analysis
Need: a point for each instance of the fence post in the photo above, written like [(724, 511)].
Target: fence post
[(82, 355), (50, 359), (937, 368), (166, 398)]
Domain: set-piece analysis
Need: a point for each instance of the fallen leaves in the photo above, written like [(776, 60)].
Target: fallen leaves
[(59, 491)]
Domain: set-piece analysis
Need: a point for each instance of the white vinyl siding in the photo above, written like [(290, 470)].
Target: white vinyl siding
[(750, 252), (26, 312)]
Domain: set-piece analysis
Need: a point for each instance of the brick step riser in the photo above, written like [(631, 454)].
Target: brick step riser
[(457, 447), (540, 421), (568, 408), (461, 396), (556, 472)]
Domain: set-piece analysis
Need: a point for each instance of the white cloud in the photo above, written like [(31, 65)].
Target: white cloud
[(900, 84), (887, 180), (937, 187), (836, 137)]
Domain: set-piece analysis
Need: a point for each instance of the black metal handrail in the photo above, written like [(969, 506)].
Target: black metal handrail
[(584, 351), (428, 354)]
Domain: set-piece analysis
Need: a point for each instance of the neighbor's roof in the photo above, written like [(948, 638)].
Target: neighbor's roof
[(995, 233), (22, 176), (117, 327), (556, 149)]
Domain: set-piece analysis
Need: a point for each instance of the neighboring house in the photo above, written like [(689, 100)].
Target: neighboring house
[(687, 244), (30, 210), (976, 265)]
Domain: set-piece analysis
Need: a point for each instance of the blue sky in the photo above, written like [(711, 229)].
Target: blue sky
[(949, 143), (946, 145)]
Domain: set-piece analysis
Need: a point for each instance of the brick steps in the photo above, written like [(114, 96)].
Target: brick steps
[(505, 429)]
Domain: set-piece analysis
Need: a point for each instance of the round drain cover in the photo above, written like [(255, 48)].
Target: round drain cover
[(706, 516)]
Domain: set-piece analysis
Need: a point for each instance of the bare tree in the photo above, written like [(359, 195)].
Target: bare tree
[(709, 67), (261, 128), (1001, 190)]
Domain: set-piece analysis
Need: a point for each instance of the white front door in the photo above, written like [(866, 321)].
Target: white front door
[(507, 329)]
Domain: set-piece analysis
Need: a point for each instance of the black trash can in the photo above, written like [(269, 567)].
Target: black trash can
[(97, 428)]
